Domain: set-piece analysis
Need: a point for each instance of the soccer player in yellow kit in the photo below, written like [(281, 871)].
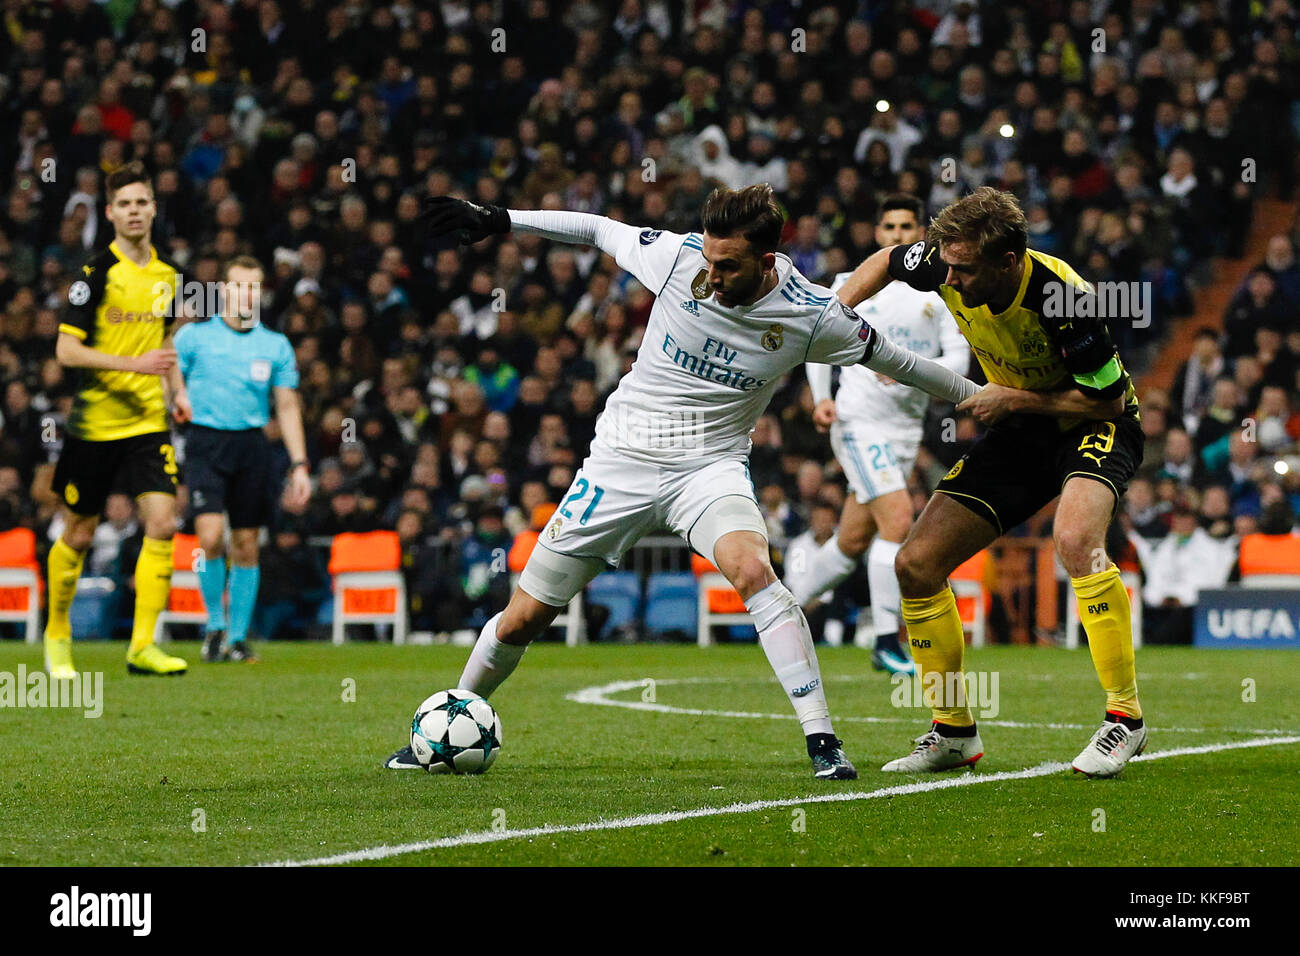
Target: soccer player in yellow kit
[(1063, 417), (117, 335)]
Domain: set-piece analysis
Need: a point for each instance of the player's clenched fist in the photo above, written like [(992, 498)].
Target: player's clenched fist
[(155, 361), (824, 414), (443, 215)]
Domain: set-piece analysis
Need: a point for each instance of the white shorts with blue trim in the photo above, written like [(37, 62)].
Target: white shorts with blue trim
[(614, 501), (876, 459)]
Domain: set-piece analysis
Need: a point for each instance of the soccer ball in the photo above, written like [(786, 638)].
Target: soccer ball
[(456, 731)]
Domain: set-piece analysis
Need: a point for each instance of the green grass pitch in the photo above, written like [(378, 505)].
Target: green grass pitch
[(247, 764)]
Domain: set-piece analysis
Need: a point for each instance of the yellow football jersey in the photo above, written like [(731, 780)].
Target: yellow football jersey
[(119, 307), (1039, 343)]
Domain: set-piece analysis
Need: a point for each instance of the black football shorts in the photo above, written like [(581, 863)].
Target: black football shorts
[(1022, 463)]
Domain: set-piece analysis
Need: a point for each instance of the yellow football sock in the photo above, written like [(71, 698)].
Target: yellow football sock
[(153, 584), (1105, 614), (938, 645), (64, 569)]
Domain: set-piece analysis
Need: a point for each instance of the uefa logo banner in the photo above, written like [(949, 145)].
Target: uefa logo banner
[(1248, 617)]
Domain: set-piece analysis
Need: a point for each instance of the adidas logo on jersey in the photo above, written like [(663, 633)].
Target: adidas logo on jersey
[(691, 306)]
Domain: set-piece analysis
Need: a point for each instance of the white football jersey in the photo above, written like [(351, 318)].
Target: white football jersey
[(917, 321), (704, 372)]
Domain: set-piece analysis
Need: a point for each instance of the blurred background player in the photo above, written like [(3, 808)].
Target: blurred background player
[(232, 364), (876, 425), (117, 333), (1063, 420), (731, 318)]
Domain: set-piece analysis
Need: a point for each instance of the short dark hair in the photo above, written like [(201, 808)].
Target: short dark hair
[(1277, 518), (132, 172), (905, 202), (751, 213), (241, 262)]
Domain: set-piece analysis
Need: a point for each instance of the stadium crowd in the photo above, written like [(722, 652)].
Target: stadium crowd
[(451, 392)]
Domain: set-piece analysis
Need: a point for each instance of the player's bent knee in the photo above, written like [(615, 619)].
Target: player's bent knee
[(1080, 553), (917, 576), (79, 535), (853, 541), (750, 574)]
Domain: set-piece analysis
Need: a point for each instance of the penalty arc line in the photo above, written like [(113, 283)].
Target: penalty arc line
[(599, 696), (658, 819)]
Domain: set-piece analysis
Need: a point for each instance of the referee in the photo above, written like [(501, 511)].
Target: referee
[(232, 364)]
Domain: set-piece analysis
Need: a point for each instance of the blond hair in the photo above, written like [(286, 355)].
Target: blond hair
[(989, 219)]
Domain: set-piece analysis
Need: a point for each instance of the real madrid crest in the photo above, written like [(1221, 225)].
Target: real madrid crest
[(700, 284), (553, 531), (773, 337)]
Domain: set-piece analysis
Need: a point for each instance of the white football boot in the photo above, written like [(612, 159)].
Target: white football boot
[(1111, 747), (935, 752)]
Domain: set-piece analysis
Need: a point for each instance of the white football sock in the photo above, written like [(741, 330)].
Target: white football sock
[(827, 567), (885, 595), (490, 662), (787, 642)]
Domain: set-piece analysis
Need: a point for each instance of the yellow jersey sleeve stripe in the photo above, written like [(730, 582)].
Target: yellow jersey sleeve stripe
[(73, 330)]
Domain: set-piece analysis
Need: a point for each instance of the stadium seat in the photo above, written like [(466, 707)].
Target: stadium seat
[(368, 584), (1133, 585), (972, 593), (620, 592), (21, 584), (1269, 561), (672, 603), (718, 604), (94, 607), (185, 601)]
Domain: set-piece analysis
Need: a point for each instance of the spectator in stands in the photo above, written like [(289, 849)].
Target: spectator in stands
[(1179, 457), (1194, 383), (1175, 569), (1221, 416), (1256, 306)]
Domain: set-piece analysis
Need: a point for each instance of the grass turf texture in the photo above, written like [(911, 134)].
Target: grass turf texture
[(284, 769)]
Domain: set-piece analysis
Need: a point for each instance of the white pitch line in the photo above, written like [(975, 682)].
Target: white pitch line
[(599, 695), (658, 819)]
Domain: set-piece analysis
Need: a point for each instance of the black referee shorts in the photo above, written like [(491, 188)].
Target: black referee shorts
[(1021, 463), (230, 471)]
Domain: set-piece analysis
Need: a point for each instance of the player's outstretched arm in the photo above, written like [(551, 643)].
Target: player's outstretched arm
[(629, 245), (443, 215), (909, 368), (867, 279), (994, 402)]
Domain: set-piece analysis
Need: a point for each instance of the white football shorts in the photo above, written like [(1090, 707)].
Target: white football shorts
[(615, 501), (876, 459)]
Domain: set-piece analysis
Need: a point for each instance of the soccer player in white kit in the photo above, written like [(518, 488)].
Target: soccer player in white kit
[(731, 317), (875, 425)]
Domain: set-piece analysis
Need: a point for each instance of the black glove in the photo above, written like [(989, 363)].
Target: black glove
[(443, 215)]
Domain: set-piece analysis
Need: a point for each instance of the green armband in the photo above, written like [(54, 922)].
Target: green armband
[(1104, 377)]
